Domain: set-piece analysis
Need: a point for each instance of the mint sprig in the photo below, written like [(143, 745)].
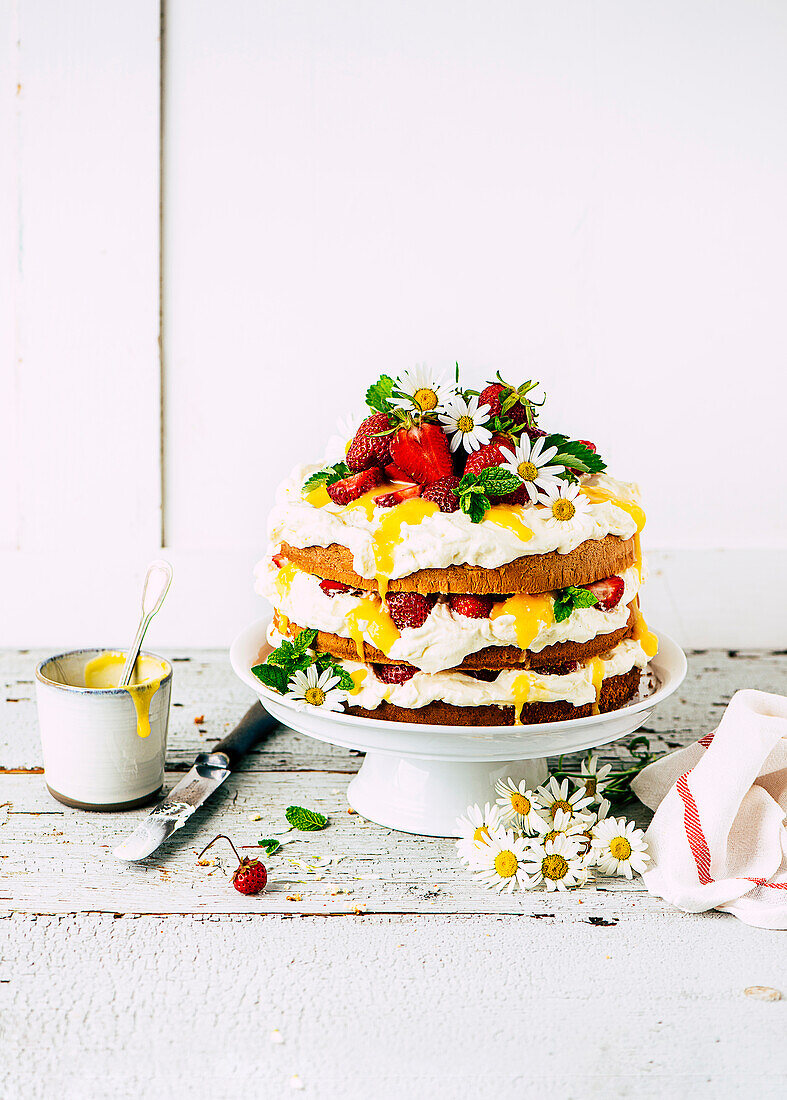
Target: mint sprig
[(568, 599), (378, 396), (327, 476), (474, 490), (307, 821), (296, 656)]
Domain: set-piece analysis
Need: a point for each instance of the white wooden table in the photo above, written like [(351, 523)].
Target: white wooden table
[(389, 973)]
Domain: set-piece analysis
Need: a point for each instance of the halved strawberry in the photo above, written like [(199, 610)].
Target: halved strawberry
[(394, 674), (608, 592), (491, 454), (390, 500), (409, 609), (333, 588), (278, 559), (395, 474), (351, 488), (369, 447), (472, 607), (443, 494), (421, 452)]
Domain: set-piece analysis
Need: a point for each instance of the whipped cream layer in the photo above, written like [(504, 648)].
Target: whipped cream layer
[(510, 688), (446, 638), (445, 538)]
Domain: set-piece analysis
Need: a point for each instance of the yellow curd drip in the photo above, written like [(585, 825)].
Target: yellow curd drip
[(370, 617), (603, 496), (105, 670), (597, 678), (358, 679), (531, 613), (521, 689), (285, 577), (318, 497), (510, 517), (389, 534), (366, 502), (644, 635)]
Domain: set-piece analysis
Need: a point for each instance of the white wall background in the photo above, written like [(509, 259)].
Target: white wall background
[(589, 193)]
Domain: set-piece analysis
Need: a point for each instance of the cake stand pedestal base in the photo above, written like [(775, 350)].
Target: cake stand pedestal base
[(417, 795)]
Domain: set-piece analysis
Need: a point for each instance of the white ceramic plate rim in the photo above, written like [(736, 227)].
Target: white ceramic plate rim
[(669, 665)]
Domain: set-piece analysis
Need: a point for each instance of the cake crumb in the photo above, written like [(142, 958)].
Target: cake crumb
[(294, 897), (199, 719)]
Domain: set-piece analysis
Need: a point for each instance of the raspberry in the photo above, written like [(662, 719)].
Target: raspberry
[(368, 447), (351, 488), (394, 674), (409, 609), (442, 494), (472, 607)]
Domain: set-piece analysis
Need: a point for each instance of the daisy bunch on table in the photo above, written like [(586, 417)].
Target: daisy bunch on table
[(551, 837)]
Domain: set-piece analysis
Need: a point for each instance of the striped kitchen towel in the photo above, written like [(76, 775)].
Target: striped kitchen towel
[(718, 838)]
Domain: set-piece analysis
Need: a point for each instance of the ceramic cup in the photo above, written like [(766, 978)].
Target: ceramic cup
[(94, 756)]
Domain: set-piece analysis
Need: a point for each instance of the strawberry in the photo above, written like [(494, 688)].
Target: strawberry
[(409, 609), (491, 454), (333, 588), (351, 488), (608, 592), (442, 494), (472, 607), (495, 394), (250, 876), (519, 496), (390, 500), (394, 674), (368, 447), (590, 446), (278, 559), (395, 474), (421, 451)]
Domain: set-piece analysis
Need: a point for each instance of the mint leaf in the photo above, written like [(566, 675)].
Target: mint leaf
[(581, 597), (270, 844), (307, 821), (498, 482), (325, 661), (327, 476), (379, 393), (304, 640), (574, 455), (272, 677), (568, 599)]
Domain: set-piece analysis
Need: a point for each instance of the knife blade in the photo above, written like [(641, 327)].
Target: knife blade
[(209, 771)]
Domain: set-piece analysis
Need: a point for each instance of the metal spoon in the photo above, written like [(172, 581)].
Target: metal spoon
[(157, 581)]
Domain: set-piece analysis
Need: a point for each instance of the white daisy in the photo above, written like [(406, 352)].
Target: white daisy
[(570, 825), (592, 779), (530, 461), (619, 847), (315, 689), (422, 390), (500, 865), (475, 831), (519, 807), (565, 503), (464, 422), (557, 863), (554, 796)]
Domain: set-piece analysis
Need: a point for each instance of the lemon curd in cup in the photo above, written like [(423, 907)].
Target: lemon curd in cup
[(105, 670)]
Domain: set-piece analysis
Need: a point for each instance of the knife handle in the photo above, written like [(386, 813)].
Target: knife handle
[(255, 725)]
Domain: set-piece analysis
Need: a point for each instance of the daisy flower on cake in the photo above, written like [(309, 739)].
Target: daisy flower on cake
[(315, 689), (476, 830), (565, 503), (556, 863), (554, 796), (464, 422), (500, 863), (530, 461), (421, 390), (519, 806), (619, 847)]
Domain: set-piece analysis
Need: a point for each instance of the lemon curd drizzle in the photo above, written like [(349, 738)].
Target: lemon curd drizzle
[(597, 679), (105, 670), (389, 535), (510, 517), (643, 634), (371, 617), (358, 678), (531, 614), (521, 688), (597, 495)]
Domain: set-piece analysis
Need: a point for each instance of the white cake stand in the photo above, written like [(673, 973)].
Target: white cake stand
[(420, 778)]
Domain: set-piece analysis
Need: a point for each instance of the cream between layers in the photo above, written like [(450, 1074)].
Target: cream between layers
[(443, 539), (508, 689), (446, 638)]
